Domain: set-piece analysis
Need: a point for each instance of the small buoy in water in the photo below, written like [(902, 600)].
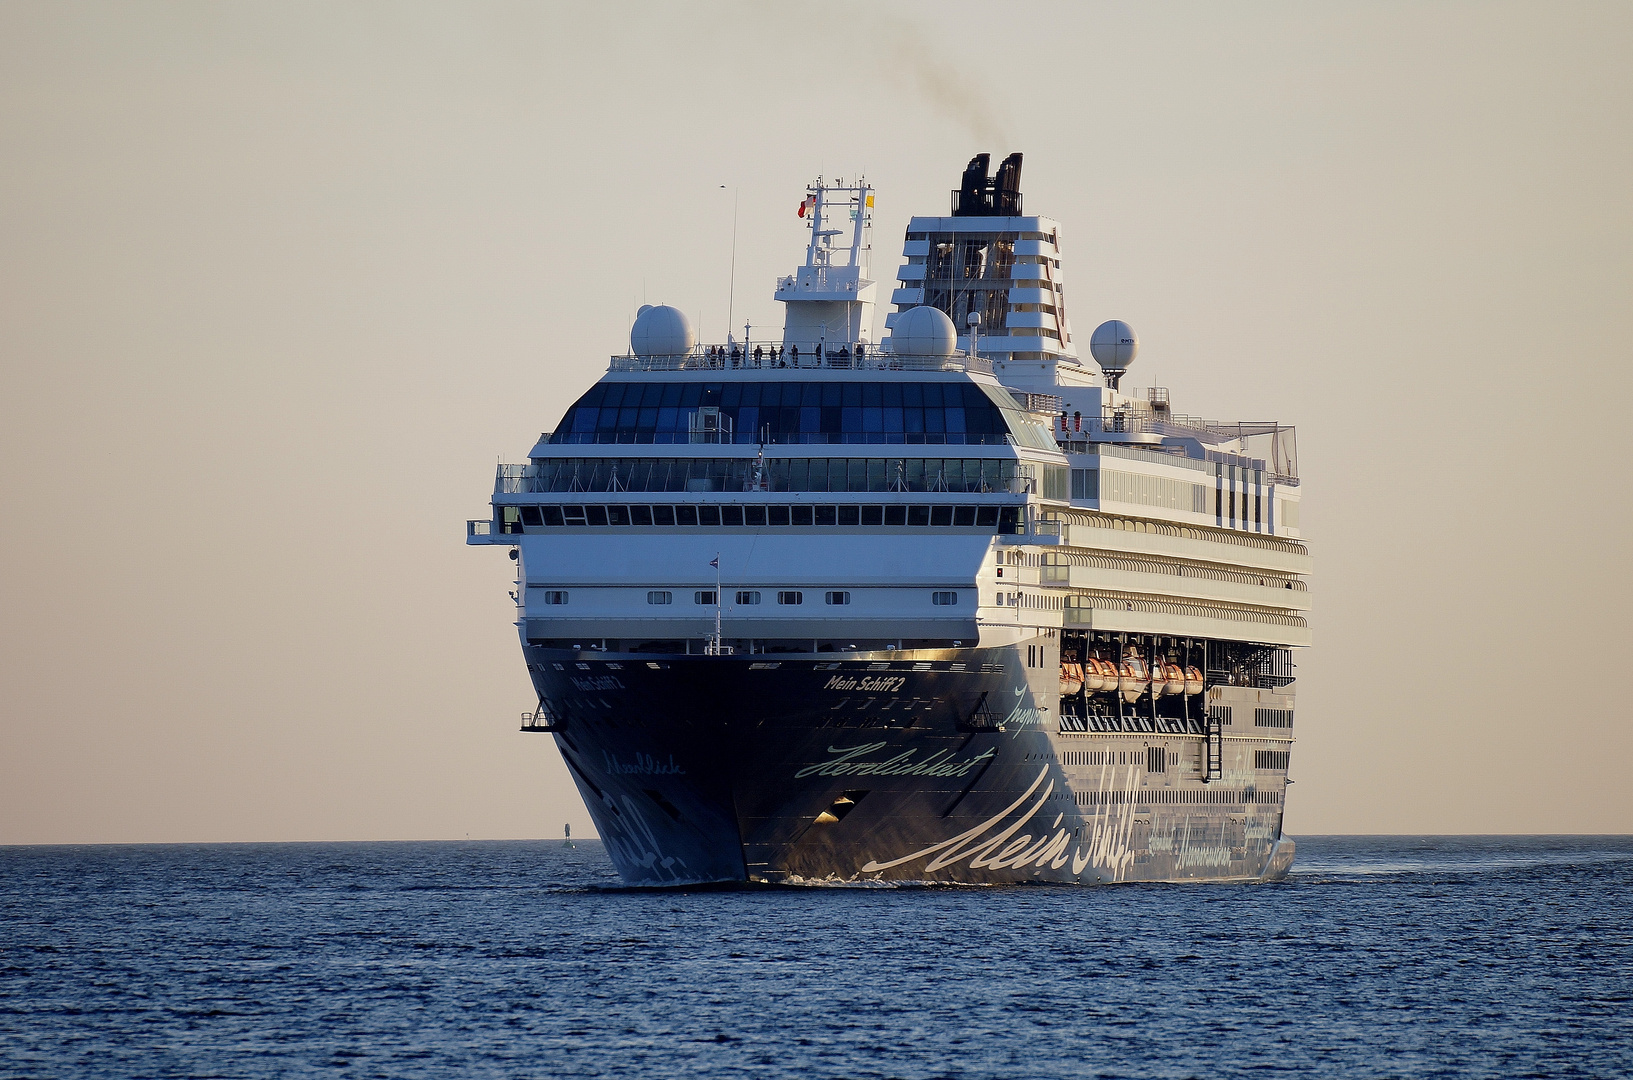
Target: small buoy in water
[(567, 831)]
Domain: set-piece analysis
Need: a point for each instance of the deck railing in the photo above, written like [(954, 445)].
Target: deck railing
[(872, 358)]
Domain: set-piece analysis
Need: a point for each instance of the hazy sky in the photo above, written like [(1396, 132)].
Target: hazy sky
[(280, 283)]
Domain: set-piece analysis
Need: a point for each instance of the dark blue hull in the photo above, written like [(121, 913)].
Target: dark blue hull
[(915, 766)]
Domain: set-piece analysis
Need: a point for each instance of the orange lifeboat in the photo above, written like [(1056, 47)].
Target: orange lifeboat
[(1094, 675), (1193, 681), (1071, 678), (1132, 679), (1173, 678)]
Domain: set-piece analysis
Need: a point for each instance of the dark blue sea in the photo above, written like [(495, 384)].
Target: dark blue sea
[(1379, 957)]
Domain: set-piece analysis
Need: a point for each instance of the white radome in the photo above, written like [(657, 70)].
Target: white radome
[(923, 331), (1114, 345), (661, 330)]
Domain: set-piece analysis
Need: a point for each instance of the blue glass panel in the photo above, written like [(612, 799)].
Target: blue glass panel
[(584, 418), (671, 394), (607, 421), (932, 396), (893, 417), (731, 395), (852, 419), (852, 395), (691, 395), (935, 420), (955, 418), (668, 419), (912, 397), (615, 394), (751, 394), (810, 420), (871, 395), (651, 395), (873, 418), (892, 396), (748, 423), (626, 419), (831, 394), (594, 395), (647, 420), (913, 416)]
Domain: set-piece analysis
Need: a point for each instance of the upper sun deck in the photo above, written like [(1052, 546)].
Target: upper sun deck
[(758, 360)]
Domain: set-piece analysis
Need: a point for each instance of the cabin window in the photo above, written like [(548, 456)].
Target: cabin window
[(555, 596), (941, 515), (873, 515), (791, 597), (747, 597), (918, 515), (574, 515), (837, 598), (530, 516), (686, 515), (640, 515), (754, 515), (660, 596), (704, 596), (895, 515), (850, 515), (597, 515), (617, 515), (708, 515), (827, 515), (777, 515), (948, 598), (731, 515), (799, 515)]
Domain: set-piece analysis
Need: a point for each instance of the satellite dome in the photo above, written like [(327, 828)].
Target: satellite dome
[(661, 331), (1114, 345), (923, 331)]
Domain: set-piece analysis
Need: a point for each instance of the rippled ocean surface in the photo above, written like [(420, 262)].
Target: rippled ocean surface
[(1400, 956)]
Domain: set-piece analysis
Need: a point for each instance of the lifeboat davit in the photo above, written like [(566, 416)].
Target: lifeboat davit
[(1193, 681), (1132, 679), (1174, 678), (1071, 678)]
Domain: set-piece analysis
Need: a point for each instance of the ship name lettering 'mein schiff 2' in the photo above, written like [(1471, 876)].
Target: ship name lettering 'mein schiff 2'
[(947, 606)]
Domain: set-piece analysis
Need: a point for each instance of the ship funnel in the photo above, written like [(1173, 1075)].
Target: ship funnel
[(979, 195)]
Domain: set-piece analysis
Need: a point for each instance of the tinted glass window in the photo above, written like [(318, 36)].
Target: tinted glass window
[(787, 412)]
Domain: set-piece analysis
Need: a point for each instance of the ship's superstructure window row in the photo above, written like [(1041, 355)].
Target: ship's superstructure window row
[(1133, 564), (1110, 521), (1082, 603), (970, 475), (522, 519), (782, 413)]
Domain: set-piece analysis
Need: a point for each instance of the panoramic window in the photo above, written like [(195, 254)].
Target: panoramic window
[(946, 412)]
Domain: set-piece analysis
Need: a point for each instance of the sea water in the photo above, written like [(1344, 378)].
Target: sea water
[(1379, 957)]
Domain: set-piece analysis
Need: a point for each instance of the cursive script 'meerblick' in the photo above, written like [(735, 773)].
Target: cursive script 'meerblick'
[(940, 763)]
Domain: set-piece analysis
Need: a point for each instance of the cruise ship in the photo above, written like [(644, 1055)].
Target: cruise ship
[(949, 605)]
